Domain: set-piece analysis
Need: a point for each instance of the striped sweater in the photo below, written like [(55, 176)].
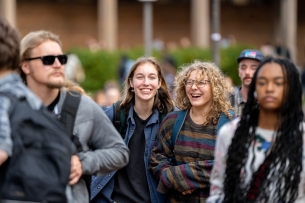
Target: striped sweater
[(194, 155)]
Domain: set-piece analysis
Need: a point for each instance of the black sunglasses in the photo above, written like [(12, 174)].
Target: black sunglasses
[(49, 60)]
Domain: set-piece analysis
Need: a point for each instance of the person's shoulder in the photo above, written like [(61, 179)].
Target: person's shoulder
[(109, 108), (171, 117), (173, 114), (33, 100), (88, 103), (229, 126), (233, 123), (236, 90), (87, 108), (231, 113), (87, 99), (20, 91), (226, 133)]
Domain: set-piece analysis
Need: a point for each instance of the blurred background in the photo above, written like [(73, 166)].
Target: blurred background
[(104, 37)]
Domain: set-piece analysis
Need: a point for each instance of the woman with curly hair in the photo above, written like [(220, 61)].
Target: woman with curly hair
[(259, 157), (183, 164), (145, 99)]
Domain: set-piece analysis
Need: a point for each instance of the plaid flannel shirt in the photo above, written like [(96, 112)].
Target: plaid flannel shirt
[(238, 102)]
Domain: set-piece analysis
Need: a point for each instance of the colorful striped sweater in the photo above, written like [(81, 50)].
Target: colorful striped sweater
[(194, 155)]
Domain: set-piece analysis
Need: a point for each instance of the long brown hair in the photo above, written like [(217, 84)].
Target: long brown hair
[(162, 100)]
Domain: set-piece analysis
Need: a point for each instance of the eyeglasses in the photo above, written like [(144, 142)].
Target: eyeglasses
[(201, 83), (49, 60)]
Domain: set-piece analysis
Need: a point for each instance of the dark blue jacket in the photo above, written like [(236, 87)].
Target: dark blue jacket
[(102, 187)]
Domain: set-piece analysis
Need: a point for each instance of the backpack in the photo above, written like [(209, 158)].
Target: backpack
[(39, 168), (67, 117), (179, 123), (120, 121)]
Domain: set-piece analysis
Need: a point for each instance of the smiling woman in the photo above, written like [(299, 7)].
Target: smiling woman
[(145, 84), (145, 99), (210, 98), (264, 162), (202, 95)]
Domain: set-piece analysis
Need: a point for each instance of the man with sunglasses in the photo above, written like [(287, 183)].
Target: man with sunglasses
[(42, 69)]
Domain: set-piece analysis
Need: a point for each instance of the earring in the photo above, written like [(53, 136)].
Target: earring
[(255, 94), (132, 90)]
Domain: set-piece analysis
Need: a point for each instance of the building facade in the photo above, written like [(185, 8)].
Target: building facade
[(112, 24)]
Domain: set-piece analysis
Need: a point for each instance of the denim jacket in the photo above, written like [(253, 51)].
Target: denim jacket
[(102, 187)]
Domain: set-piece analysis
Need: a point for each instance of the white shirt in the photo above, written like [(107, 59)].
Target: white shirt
[(263, 142)]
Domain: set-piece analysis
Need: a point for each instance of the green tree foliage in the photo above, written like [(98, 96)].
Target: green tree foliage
[(101, 66)]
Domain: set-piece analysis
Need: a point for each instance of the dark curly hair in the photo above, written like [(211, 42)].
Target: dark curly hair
[(287, 147)]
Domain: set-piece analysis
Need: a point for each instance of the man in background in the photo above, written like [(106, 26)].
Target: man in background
[(248, 62)]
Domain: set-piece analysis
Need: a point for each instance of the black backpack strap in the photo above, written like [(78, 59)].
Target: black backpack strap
[(162, 115), (119, 119), (68, 114)]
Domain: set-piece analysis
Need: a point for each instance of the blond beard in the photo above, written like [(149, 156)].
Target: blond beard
[(55, 85)]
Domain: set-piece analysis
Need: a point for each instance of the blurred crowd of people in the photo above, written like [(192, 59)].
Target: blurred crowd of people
[(157, 136)]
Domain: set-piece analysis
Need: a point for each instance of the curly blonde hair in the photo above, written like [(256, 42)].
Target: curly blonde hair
[(220, 89)]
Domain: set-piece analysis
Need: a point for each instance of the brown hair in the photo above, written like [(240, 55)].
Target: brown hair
[(9, 46), (71, 86), (162, 98)]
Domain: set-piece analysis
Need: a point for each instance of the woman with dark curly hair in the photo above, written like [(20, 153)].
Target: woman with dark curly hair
[(182, 161), (265, 160)]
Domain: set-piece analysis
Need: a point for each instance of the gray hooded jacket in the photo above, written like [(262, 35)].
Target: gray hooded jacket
[(103, 148)]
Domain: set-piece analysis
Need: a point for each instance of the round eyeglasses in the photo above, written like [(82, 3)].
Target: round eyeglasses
[(202, 83)]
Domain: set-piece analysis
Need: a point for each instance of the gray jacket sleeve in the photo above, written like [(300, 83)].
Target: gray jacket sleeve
[(103, 148), (6, 143)]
